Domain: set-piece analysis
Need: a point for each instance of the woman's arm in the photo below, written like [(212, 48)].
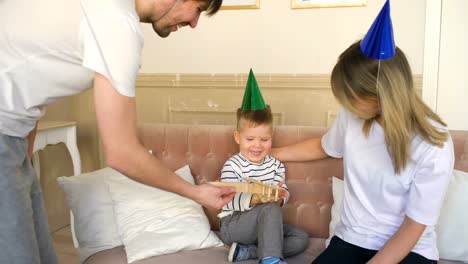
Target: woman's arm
[(400, 244), (116, 118), (310, 149)]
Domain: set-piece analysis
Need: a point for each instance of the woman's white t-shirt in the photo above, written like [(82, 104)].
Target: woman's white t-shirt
[(376, 200), (53, 48)]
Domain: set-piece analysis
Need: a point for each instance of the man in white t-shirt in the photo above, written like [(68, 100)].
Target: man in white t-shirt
[(50, 49)]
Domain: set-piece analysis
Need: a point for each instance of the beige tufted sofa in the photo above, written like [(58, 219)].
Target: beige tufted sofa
[(206, 148)]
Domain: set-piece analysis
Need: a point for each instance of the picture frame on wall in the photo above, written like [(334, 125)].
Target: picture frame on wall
[(299, 4), (240, 4)]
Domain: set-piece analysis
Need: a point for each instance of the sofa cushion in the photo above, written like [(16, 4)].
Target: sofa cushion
[(154, 222), (216, 255), (452, 229), (206, 147), (88, 197)]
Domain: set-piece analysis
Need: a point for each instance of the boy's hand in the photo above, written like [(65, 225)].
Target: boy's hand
[(282, 193), (259, 198)]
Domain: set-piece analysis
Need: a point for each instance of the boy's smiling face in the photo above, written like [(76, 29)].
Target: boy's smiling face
[(254, 140)]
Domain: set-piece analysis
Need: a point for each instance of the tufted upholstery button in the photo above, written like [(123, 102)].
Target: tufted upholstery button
[(164, 153), (200, 180)]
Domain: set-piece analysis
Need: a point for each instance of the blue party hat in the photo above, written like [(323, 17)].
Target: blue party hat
[(378, 42)]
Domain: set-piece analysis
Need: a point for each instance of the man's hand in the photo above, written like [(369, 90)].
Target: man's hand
[(214, 197)]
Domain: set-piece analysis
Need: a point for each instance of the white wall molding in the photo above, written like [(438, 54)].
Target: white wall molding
[(238, 81), (232, 81)]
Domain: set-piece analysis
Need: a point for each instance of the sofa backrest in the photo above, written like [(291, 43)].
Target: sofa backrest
[(205, 148)]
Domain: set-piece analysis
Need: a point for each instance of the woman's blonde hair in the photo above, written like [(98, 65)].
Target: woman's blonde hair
[(404, 114)]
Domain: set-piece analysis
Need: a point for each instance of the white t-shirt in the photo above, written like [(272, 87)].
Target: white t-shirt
[(52, 48), (375, 199)]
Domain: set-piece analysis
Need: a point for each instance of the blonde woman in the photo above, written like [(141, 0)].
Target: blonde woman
[(398, 158)]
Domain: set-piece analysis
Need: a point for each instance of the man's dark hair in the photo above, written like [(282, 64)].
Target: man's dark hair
[(258, 117), (213, 6)]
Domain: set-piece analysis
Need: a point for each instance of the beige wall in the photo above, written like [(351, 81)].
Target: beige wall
[(214, 99), (278, 39), (445, 61), (452, 91), (300, 99)]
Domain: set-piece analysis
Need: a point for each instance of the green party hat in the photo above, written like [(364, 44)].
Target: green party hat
[(253, 99)]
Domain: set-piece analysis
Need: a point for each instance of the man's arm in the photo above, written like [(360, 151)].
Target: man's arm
[(31, 138), (116, 118), (400, 244), (310, 149)]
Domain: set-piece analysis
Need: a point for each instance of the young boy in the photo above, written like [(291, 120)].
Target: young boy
[(253, 224)]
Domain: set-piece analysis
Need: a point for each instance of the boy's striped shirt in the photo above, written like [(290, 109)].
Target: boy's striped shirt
[(238, 169)]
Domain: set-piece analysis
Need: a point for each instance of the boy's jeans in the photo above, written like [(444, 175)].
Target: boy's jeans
[(262, 227), (24, 231)]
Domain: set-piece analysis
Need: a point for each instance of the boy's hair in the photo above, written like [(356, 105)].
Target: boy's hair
[(257, 117), (404, 113), (213, 6)]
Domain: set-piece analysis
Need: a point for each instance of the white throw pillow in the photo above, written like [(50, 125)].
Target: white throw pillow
[(154, 222), (452, 228), (88, 198), (337, 189)]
